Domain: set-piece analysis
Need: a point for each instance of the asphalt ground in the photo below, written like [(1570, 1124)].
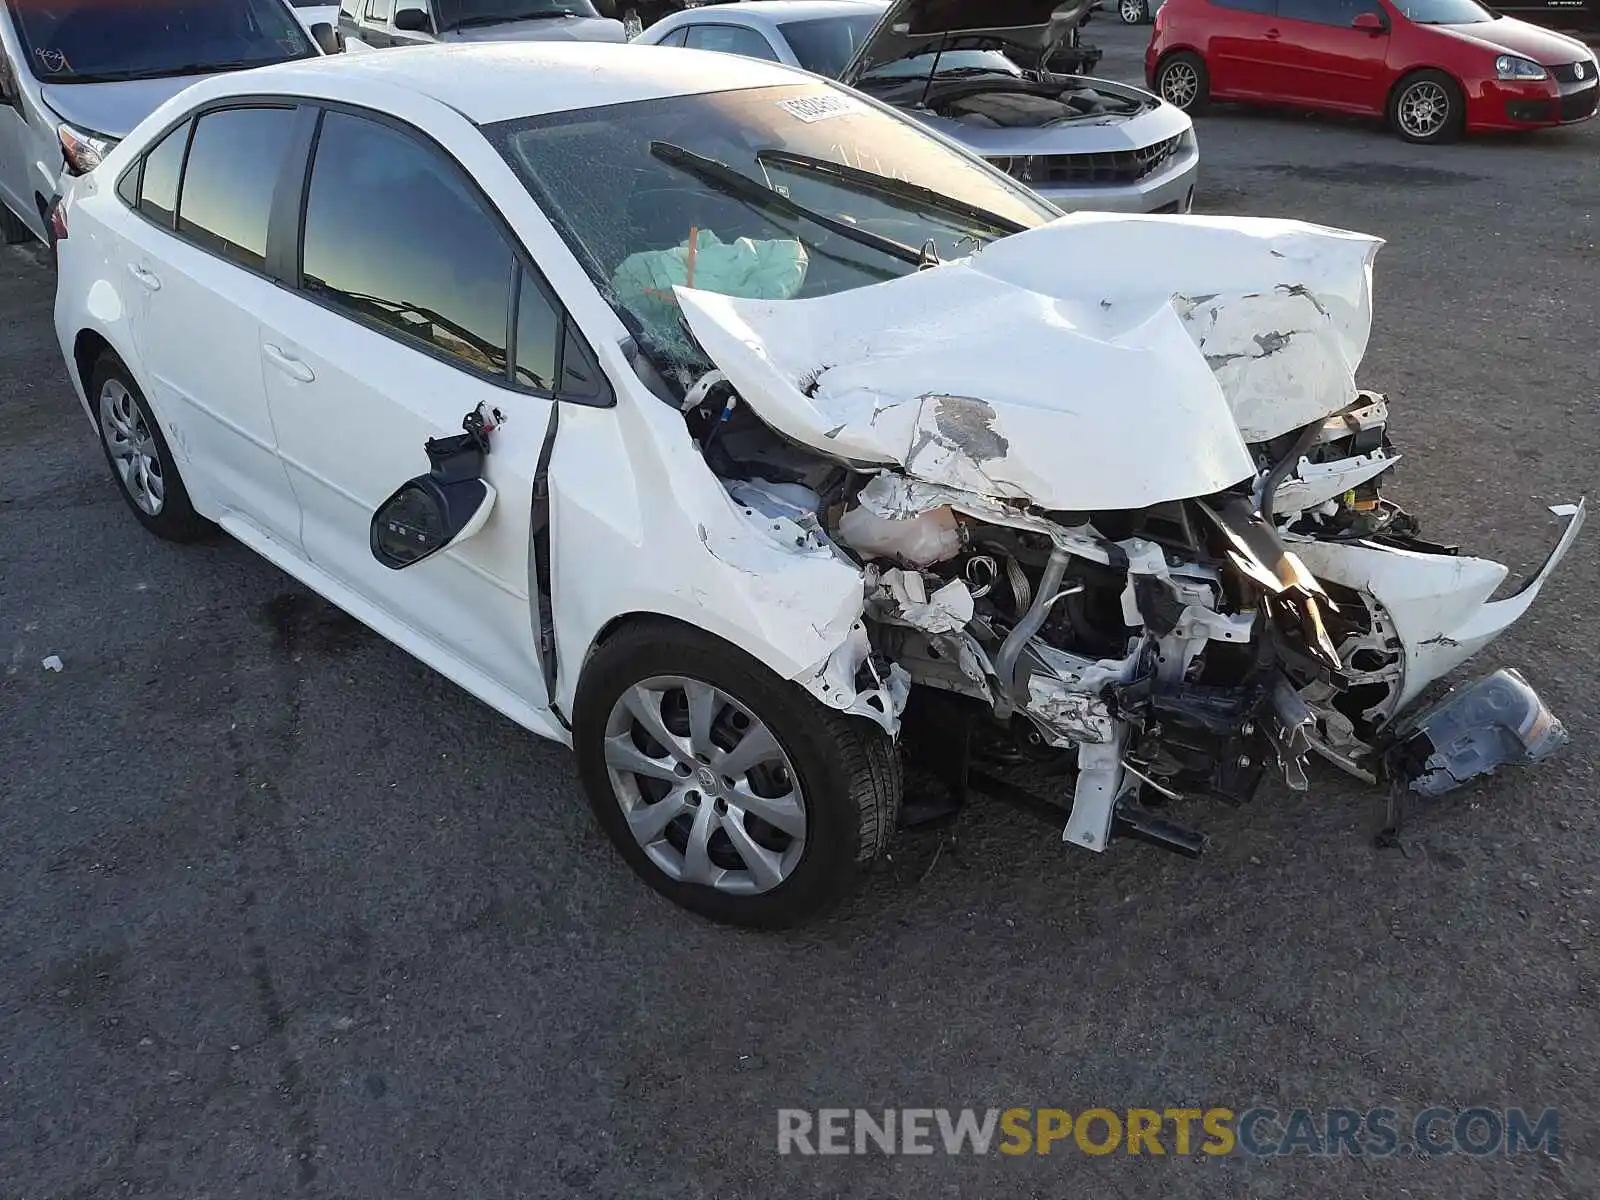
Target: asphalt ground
[(283, 913)]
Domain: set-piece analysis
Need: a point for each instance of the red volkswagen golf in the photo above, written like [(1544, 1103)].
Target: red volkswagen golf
[(1432, 68)]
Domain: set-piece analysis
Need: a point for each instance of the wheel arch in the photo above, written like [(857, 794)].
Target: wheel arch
[(1405, 74)]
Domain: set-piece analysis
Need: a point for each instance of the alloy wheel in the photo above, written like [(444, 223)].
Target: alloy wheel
[(1131, 11), (1180, 84), (1423, 109), (707, 791), (133, 450)]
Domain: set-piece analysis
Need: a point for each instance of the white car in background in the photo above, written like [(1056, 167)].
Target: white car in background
[(314, 12), (385, 24), (1081, 143), (77, 75), (595, 379)]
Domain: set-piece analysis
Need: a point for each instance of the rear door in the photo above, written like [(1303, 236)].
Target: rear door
[(412, 309), (1328, 64), (194, 257), (15, 191), (1243, 50)]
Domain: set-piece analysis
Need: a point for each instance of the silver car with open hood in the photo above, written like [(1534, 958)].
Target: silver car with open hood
[(994, 75)]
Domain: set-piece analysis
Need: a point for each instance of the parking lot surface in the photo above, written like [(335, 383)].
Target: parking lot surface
[(283, 913)]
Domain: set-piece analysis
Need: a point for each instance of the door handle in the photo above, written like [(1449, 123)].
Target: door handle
[(146, 278), (288, 364), (1272, 35)]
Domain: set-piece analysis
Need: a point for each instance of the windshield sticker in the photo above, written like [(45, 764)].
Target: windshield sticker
[(812, 109), (53, 61)]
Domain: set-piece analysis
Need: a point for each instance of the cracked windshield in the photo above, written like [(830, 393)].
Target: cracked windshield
[(769, 193)]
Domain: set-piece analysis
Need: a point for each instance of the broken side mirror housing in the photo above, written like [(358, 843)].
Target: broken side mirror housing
[(327, 40), (443, 508)]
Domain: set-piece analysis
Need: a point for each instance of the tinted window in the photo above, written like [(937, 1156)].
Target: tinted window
[(1449, 12), (827, 44), (1325, 12), (730, 39), (158, 192), (1262, 7), (227, 185), (538, 325), (106, 40), (395, 237), (675, 38), (128, 186)]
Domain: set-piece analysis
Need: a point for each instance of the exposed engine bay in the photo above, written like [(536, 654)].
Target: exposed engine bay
[(1133, 531), (1038, 106)]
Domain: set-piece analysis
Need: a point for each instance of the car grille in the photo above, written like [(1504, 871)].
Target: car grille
[(1110, 167), (1568, 72), (1575, 106)]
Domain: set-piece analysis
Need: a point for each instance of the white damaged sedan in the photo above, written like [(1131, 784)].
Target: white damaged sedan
[(761, 444)]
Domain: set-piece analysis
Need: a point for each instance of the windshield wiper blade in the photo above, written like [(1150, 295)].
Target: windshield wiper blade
[(892, 187), (725, 177), (211, 68)]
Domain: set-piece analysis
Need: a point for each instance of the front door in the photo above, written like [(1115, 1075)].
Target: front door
[(196, 278), (410, 301), (1330, 64), (16, 193)]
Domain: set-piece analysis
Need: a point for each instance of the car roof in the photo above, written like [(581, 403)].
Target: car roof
[(501, 81)]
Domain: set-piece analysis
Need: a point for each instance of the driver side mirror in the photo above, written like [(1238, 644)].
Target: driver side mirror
[(326, 39), (412, 18), (442, 508), (1369, 22)]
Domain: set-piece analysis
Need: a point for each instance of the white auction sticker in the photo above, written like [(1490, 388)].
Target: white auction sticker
[(818, 108)]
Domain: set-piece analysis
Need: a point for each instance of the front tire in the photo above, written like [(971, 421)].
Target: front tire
[(1427, 109), (730, 791), (1183, 82), (138, 455)]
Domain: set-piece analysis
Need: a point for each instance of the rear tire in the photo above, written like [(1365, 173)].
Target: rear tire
[(1183, 82), (1133, 12), (1427, 109), (138, 455), (832, 781)]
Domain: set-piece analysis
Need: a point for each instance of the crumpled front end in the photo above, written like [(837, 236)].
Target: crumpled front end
[(1113, 495)]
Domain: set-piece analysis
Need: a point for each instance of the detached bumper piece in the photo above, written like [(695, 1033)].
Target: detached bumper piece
[(1497, 721)]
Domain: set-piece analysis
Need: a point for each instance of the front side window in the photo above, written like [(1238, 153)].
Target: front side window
[(396, 238), (538, 337), (618, 185), (730, 39), (158, 190), (233, 167), (1445, 12), (1326, 12), (103, 41), (465, 14), (1263, 8)]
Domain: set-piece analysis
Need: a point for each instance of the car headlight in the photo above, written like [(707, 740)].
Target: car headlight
[(1509, 66), (83, 150)]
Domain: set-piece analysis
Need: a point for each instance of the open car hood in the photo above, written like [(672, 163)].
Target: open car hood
[(911, 27), (1098, 362)]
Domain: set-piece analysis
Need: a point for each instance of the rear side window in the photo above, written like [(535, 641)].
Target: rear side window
[(158, 190), (233, 166), (675, 38), (731, 39), (1263, 8), (395, 237)]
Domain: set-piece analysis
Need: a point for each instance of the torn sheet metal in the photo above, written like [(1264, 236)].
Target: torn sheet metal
[(1066, 366), (902, 598), (1439, 603)]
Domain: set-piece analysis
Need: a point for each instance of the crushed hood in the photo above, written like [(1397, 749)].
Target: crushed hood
[(912, 27), (1098, 362)]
